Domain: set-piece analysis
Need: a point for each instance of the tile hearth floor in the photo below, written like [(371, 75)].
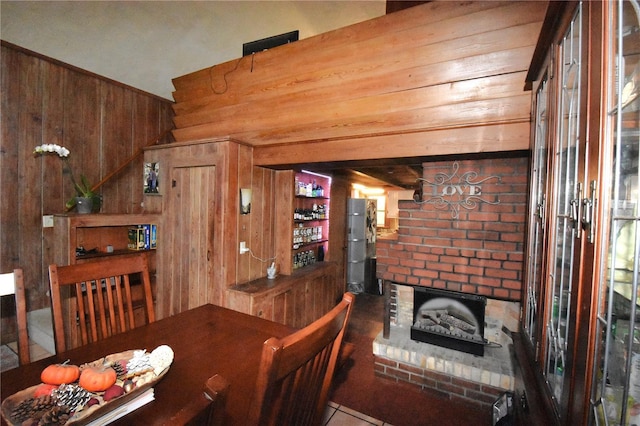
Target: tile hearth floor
[(335, 415)]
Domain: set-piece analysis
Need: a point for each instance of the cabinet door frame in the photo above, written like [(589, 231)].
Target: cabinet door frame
[(589, 254), (610, 87), (538, 226), (563, 390)]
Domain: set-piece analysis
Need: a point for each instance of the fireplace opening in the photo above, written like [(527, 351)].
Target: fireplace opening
[(449, 319)]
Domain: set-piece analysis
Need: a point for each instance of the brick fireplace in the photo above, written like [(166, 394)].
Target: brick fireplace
[(450, 373), (466, 234)]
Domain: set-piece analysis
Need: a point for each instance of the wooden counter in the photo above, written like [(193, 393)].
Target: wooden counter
[(295, 300)]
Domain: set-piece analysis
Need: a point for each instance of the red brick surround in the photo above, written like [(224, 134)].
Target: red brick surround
[(481, 251), (444, 385)]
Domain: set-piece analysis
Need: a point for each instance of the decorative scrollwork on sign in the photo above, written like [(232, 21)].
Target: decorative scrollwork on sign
[(454, 192)]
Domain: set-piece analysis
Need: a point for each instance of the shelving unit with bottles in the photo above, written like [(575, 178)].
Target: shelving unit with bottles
[(310, 234)]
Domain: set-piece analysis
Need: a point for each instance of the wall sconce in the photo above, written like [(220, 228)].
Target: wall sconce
[(417, 194), (245, 200)]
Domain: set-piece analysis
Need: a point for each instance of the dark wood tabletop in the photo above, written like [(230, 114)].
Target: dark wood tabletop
[(207, 340)]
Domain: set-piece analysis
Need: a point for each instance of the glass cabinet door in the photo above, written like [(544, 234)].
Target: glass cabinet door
[(615, 396), (564, 217), (537, 215)]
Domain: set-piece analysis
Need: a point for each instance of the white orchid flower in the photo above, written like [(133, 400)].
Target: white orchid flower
[(53, 148)]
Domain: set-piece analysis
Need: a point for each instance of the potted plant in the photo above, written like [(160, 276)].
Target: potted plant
[(86, 199)]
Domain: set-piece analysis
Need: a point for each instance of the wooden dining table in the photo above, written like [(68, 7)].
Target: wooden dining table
[(206, 340)]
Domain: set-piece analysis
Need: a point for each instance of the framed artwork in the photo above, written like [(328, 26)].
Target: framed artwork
[(152, 178)]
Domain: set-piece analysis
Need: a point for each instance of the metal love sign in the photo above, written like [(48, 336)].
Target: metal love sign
[(453, 191)]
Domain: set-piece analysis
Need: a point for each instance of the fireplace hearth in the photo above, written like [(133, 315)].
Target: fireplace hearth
[(459, 375), (449, 319)]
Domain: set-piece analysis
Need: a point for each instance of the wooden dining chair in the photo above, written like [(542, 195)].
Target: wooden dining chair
[(93, 300), (296, 371), (208, 408), (12, 283)]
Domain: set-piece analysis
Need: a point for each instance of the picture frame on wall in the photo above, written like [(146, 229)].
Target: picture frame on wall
[(152, 178)]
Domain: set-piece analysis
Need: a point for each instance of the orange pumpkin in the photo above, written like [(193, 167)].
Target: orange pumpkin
[(57, 374), (97, 379)]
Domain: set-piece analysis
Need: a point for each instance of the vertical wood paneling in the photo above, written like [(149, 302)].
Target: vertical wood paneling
[(181, 177), (143, 131), (240, 177), (284, 182), (53, 107), (340, 191), (165, 122), (227, 208), (9, 251), (81, 127), (29, 135), (117, 135), (211, 183), (10, 63), (262, 240), (53, 181), (195, 281), (44, 101)]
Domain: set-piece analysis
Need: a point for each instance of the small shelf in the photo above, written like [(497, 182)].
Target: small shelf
[(311, 243), (309, 220), (95, 232), (120, 252), (304, 197)]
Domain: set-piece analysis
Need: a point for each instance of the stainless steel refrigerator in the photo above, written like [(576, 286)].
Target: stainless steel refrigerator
[(361, 246)]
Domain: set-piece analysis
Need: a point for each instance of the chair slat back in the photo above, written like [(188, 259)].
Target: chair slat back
[(296, 372), (97, 294), (12, 283)]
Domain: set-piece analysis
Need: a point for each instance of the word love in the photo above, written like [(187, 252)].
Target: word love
[(449, 190), (453, 191)]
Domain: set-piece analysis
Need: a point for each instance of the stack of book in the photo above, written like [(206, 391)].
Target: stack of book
[(124, 409), (143, 237)]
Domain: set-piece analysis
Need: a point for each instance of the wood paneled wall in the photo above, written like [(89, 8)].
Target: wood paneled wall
[(100, 121), (439, 78)]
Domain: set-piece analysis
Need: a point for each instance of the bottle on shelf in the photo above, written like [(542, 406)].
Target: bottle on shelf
[(310, 211)]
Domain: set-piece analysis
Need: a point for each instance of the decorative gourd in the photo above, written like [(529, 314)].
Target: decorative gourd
[(97, 379), (114, 391), (57, 374), (44, 389)]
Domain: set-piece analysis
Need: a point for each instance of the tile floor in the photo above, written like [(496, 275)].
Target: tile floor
[(339, 415), (335, 415), (9, 354)]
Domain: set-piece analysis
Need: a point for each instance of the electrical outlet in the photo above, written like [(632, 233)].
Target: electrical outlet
[(243, 247), (47, 221)]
